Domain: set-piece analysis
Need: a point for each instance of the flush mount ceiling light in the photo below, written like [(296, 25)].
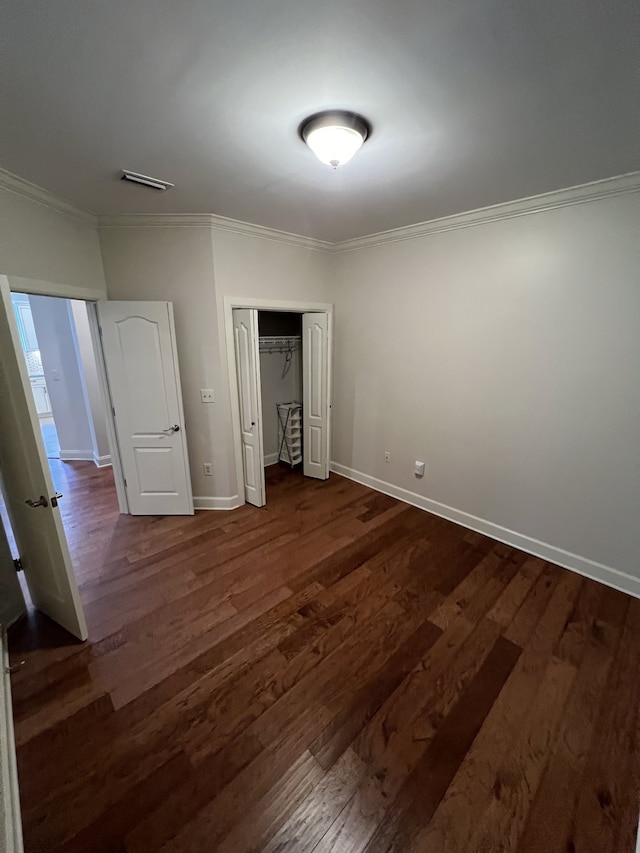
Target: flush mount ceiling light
[(334, 136), (145, 180)]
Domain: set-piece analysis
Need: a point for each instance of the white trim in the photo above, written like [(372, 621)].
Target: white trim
[(607, 188), (200, 502), (183, 435), (155, 220), (10, 821), (102, 461), (33, 192), (209, 220), (35, 287), (103, 382), (583, 566), (231, 302), (271, 459), (76, 455), (228, 304), (579, 194)]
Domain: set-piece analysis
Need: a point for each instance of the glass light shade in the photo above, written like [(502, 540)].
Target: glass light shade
[(334, 144)]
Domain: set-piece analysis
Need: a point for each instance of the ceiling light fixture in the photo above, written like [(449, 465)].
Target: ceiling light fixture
[(334, 136), (154, 183)]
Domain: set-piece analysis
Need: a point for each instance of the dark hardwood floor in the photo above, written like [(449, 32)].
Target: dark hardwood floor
[(334, 672)]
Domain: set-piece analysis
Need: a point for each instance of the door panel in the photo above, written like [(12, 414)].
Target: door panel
[(315, 409), (141, 361), (38, 530), (245, 335)]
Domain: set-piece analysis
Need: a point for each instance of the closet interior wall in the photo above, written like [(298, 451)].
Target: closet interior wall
[(281, 379)]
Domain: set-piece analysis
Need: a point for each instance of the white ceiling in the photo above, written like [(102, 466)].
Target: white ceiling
[(472, 102)]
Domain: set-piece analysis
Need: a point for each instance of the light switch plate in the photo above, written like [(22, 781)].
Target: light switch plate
[(207, 395)]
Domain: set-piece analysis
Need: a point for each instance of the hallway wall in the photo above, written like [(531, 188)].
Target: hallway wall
[(53, 324)]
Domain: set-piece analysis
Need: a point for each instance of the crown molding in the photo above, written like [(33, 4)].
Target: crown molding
[(582, 194), (19, 186), (209, 220), (155, 220)]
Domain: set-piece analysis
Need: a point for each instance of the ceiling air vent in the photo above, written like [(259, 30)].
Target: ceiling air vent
[(145, 180)]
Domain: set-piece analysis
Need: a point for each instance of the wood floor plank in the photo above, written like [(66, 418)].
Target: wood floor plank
[(604, 811), (335, 671), (548, 825), (427, 783)]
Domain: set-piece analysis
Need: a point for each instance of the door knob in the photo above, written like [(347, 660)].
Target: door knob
[(42, 502), (174, 428)]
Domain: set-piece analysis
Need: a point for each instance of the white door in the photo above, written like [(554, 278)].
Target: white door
[(315, 395), (27, 481), (245, 336), (139, 345)]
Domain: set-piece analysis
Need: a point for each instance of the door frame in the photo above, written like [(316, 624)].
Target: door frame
[(284, 306), (35, 287)]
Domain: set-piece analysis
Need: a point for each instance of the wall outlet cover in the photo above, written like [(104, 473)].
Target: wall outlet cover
[(207, 395), (208, 469), (418, 469)]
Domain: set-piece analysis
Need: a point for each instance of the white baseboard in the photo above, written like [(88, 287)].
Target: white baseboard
[(102, 461), (76, 455), (583, 566), (271, 459), (217, 503)]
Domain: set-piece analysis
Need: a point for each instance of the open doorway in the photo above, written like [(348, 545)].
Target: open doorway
[(61, 365), (57, 352), (279, 364), (280, 348)]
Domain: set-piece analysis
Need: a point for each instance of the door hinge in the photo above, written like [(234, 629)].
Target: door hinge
[(113, 409), (100, 330), (18, 564), (125, 482)]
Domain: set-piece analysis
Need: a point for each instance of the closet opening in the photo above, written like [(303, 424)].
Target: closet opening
[(280, 366), (280, 348)]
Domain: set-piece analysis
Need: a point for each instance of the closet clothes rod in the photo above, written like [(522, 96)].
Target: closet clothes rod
[(283, 343)]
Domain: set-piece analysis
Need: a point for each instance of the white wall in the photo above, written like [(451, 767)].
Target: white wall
[(45, 245), (89, 376), (53, 324), (506, 356), (195, 267)]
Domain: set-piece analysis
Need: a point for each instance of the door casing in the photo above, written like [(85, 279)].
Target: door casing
[(231, 302)]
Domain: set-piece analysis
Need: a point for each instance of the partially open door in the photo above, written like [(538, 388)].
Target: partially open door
[(245, 335), (28, 486), (315, 395), (141, 360)]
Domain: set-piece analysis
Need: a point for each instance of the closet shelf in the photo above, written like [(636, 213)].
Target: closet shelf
[(278, 343)]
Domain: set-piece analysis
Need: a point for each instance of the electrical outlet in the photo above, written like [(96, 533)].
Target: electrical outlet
[(418, 468), (207, 395), (208, 469), (387, 456)]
